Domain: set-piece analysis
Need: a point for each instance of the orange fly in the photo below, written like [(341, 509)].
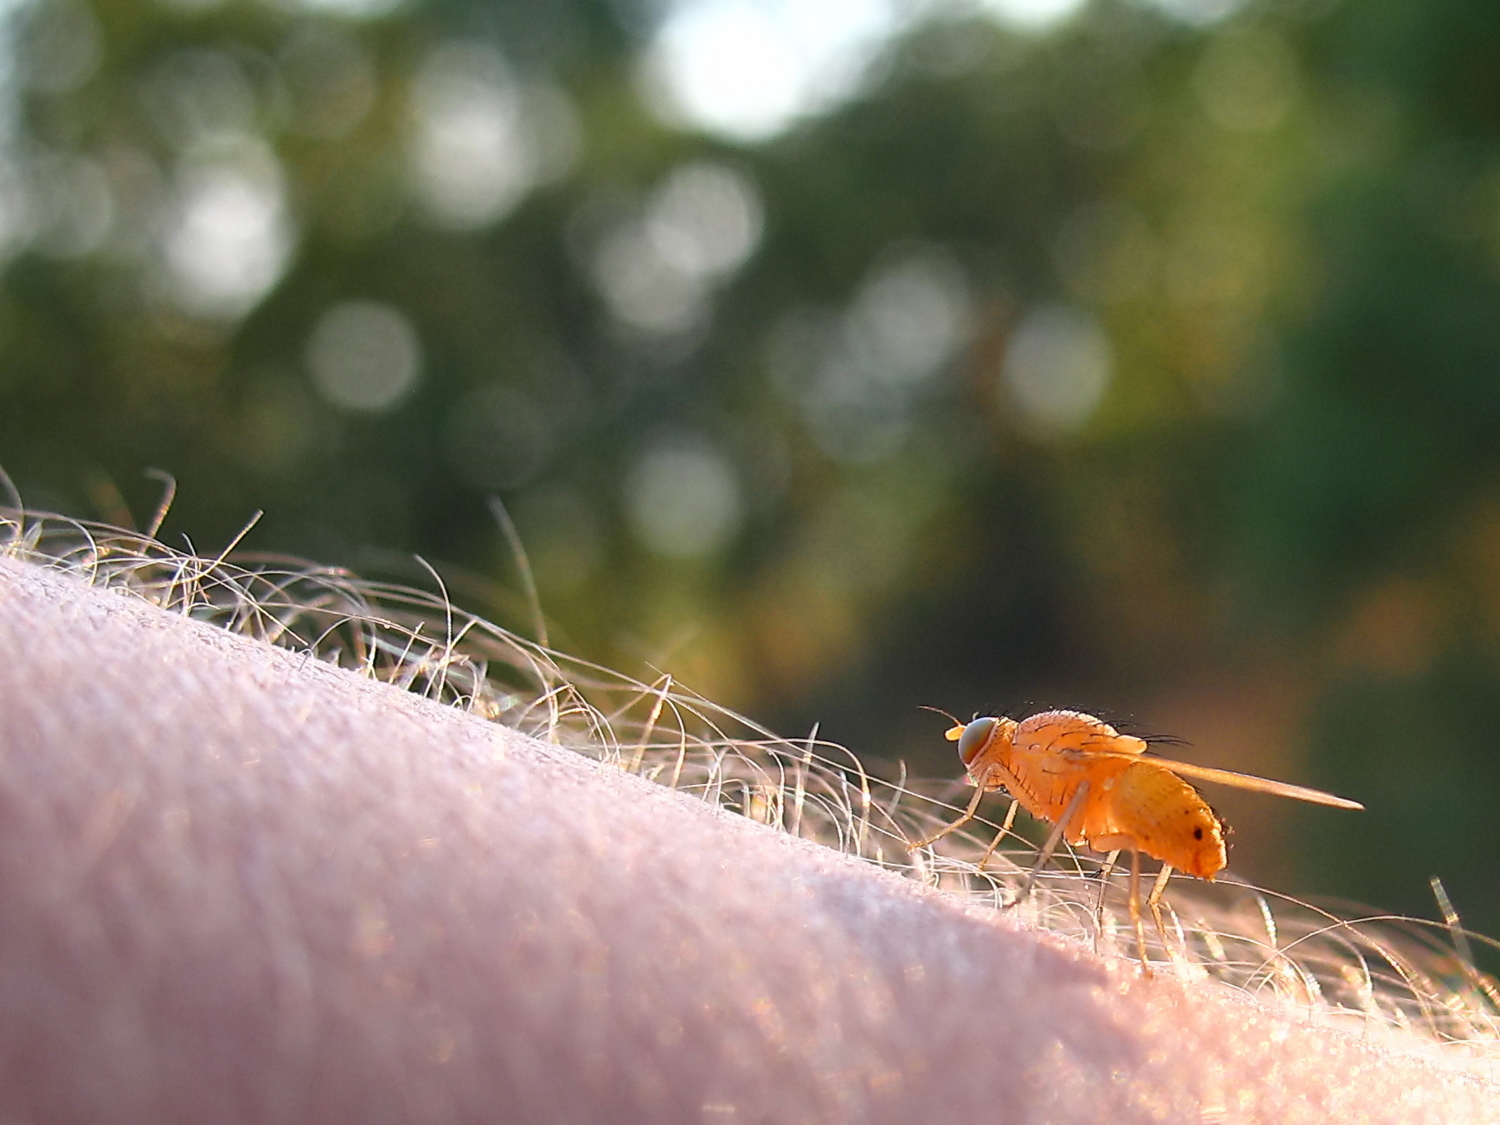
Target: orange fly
[(1100, 790)]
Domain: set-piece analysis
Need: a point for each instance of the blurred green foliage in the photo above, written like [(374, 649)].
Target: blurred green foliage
[(1138, 363)]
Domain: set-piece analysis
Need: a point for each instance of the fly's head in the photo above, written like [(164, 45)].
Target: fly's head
[(982, 743)]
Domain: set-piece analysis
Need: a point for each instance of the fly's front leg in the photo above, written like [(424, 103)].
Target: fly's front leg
[(959, 823)]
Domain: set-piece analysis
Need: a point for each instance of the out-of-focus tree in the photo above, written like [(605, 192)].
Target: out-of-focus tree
[(838, 357)]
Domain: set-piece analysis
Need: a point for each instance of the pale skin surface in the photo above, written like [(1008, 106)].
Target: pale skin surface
[(239, 886)]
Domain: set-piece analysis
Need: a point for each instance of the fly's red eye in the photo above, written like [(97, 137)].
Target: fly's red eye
[(973, 739)]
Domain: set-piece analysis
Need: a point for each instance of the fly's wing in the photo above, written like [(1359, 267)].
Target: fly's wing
[(1245, 781)]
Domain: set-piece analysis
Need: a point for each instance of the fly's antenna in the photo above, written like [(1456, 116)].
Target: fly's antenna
[(952, 718)]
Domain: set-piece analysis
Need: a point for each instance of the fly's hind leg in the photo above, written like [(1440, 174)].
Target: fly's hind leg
[(1104, 873), (1154, 902)]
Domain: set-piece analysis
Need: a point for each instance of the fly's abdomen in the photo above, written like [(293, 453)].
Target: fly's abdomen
[(1167, 819)]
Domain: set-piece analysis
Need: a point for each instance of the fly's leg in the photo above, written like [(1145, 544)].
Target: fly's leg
[(1154, 902), (959, 823), (1135, 907), (1051, 845), (1010, 818), (1104, 873)]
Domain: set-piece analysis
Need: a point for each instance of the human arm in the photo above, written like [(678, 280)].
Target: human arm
[(241, 886)]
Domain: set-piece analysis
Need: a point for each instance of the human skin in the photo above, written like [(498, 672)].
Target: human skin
[(238, 885)]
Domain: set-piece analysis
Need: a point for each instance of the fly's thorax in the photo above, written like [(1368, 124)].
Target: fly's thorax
[(1057, 731)]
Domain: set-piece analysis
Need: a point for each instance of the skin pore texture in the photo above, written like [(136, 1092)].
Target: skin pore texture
[(238, 885)]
